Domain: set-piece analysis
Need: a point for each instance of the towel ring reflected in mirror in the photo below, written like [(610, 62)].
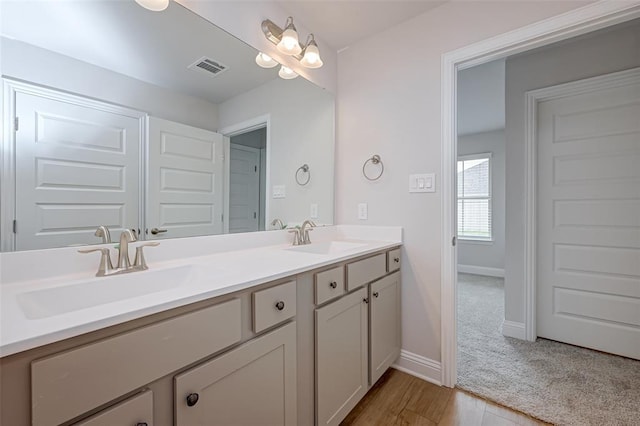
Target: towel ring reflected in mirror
[(305, 171), (373, 160)]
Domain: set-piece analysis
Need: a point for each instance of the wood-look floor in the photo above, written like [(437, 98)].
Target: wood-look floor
[(400, 399)]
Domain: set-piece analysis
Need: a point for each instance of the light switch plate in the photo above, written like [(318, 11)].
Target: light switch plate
[(313, 211), (279, 191), (424, 182), (363, 211)]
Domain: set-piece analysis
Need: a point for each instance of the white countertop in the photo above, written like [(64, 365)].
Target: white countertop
[(211, 275)]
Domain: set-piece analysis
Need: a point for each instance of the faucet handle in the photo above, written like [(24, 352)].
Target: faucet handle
[(140, 262), (105, 260), (297, 238)]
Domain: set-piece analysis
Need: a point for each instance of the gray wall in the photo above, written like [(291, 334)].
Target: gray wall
[(40, 66), (606, 51), (480, 253)]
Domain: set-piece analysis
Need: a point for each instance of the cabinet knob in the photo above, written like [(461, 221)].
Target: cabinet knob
[(376, 294), (192, 399), (333, 284), (396, 259), (365, 300), (280, 305)]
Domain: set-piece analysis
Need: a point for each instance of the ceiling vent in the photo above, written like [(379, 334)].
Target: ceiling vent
[(209, 66)]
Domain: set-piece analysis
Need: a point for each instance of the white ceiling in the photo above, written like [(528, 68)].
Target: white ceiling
[(481, 98), (340, 23), (153, 47)]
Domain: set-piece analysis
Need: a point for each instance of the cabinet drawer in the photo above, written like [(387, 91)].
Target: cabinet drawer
[(364, 271), (137, 410), (393, 260), (273, 305), (68, 384), (329, 284)]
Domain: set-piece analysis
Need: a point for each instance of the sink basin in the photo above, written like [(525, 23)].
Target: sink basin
[(99, 291), (327, 247)]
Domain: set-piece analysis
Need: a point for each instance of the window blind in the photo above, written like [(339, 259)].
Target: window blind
[(474, 197)]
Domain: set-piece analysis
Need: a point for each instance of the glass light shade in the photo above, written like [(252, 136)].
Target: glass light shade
[(265, 61), (154, 5), (287, 73), (289, 42), (311, 58)]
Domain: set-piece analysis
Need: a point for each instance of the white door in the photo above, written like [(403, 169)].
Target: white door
[(185, 181), (77, 167), (588, 272), (244, 189)]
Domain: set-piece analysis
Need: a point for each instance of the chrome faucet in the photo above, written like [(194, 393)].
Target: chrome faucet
[(307, 226), (277, 222), (103, 232), (124, 263)]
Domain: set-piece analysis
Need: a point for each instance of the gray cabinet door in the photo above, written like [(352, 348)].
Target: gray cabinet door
[(137, 410), (341, 357), (254, 384), (384, 324)]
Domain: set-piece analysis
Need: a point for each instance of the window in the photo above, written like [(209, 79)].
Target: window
[(474, 197)]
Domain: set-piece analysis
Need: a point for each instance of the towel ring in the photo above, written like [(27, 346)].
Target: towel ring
[(373, 160), (304, 169)]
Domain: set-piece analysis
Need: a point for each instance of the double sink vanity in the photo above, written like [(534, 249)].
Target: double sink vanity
[(229, 330)]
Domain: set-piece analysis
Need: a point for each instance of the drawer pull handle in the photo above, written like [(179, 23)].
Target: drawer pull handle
[(333, 284), (142, 424), (192, 399), (365, 300), (396, 259), (376, 294), (280, 305)]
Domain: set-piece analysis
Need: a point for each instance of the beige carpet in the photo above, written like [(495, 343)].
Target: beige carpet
[(554, 382)]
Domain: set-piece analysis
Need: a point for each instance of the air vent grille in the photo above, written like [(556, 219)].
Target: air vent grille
[(209, 66)]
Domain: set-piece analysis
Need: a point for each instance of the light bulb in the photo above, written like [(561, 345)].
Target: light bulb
[(289, 41), (154, 5), (265, 61), (287, 73), (311, 57)]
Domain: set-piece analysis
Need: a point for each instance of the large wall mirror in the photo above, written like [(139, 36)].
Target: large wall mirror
[(159, 122)]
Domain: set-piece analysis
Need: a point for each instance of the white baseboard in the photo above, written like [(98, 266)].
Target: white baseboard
[(481, 270), (513, 329), (419, 366)]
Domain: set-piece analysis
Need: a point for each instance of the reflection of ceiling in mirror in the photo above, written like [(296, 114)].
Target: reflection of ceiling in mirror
[(153, 47)]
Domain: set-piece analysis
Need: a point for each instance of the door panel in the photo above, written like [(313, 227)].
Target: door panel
[(244, 189), (588, 273), (384, 324), (185, 180), (77, 167)]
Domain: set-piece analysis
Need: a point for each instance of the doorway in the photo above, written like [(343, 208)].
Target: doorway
[(247, 181)]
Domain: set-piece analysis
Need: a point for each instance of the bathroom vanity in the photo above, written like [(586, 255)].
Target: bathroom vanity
[(297, 340)]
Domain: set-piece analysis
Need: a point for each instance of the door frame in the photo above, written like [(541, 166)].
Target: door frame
[(532, 99), (579, 21), (238, 129)]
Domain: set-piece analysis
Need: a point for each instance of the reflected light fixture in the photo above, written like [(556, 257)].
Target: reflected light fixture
[(265, 61), (287, 42), (154, 5), (287, 73), (311, 54)]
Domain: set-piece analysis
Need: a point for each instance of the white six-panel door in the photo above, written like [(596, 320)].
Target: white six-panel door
[(588, 250), (77, 167), (244, 189), (185, 180)]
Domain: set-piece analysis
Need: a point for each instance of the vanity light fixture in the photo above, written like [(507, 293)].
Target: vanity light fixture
[(311, 54), (288, 43), (287, 73), (154, 5), (265, 61)]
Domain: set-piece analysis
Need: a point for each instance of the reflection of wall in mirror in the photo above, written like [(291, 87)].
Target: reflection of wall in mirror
[(302, 131), (44, 67)]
